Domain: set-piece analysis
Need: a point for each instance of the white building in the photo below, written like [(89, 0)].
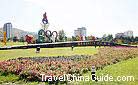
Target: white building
[(125, 34), (128, 33), (81, 32), (8, 29)]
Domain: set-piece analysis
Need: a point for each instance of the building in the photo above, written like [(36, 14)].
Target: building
[(125, 34), (81, 32), (128, 33), (8, 29), (118, 35)]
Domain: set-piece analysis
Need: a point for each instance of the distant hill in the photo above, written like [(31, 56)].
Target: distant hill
[(21, 33)]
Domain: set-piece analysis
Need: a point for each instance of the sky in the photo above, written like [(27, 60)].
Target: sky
[(98, 16)]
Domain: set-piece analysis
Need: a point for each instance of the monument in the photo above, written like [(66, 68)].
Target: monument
[(45, 35)]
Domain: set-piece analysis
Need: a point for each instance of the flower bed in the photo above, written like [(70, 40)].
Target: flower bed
[(31, 68)]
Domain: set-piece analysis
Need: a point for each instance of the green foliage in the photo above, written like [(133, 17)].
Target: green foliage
[(127, 40), (15, 39), (74, 38), (22, 39), (109, 37), (8, 77), (62, 36)]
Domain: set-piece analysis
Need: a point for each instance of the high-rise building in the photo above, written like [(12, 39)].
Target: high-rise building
[(128, 33), (81, 32), (125, 34), (8, 29)]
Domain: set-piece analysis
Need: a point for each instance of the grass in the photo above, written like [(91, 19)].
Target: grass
[(66, 51), (12, 43), (8, 78), (124, 68)]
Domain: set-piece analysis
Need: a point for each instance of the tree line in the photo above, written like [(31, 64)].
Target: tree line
[(63, 38)]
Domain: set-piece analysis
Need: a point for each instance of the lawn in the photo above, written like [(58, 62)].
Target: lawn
[(124, 68), (12, 43), (66, 51)]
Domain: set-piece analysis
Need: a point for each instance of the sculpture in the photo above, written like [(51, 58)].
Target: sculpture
[(45, 35)]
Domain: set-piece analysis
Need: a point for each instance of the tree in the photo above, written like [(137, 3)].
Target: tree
[(78, 38), (90, 38), (21, 39), (136, 39), (69, 39), (15, 39), (132, 39), (109, 37), (74, 38), (104, 37), (61, 36)]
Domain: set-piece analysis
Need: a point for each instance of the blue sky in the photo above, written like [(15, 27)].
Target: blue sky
[(98, 16)]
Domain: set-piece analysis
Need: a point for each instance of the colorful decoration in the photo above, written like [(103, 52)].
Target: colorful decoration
[(45, 35), (4, 38), (29, 39)]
